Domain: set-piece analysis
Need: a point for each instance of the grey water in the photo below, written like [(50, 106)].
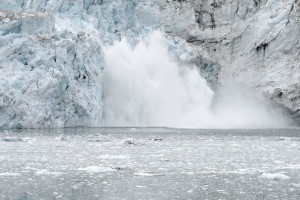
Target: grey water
[(149, 163)]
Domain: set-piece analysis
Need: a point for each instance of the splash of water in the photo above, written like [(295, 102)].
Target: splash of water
[(143, 87)]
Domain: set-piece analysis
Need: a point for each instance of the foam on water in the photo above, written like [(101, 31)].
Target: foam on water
[(143, 86)]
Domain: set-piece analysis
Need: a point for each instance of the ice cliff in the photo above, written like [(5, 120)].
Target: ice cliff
[(51, 58)]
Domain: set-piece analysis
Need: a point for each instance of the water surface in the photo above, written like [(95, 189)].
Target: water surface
[(149, 163)]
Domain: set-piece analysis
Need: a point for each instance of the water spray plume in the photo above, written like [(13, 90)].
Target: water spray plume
[(143, 86)]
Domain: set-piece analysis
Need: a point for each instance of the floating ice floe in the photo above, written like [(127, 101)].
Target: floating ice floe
[(29, 139), (113, 157), (147, 174), (46, 172), (44, 159), (275, 176), (156, 139), (9, 174), (100, 140), (96, 169), (140, 186), (296, 166), (134, 142), (61, 138), (12, 139), (296, 184)]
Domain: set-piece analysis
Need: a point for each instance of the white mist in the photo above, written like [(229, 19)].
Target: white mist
[(142, 86)]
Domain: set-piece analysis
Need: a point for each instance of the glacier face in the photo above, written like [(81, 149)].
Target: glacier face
[(50, 75), (51, 58), (257, 43)]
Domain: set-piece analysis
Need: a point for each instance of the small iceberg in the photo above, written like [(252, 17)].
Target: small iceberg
[(96, 169), (9, 174), (12, 139), (147, 174), (275, 176)]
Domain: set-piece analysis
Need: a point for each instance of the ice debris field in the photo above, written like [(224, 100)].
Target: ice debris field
[(150, 163)]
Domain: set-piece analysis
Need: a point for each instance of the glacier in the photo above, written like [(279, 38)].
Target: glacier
[(52, 60)]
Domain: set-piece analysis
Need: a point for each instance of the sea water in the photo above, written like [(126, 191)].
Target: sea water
[(149, 163)]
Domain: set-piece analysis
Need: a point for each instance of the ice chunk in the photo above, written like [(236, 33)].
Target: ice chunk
[(12, 139), (147, 174), (9, 174), (96, 169), (275, 176), (46, 172), (113, 157)]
